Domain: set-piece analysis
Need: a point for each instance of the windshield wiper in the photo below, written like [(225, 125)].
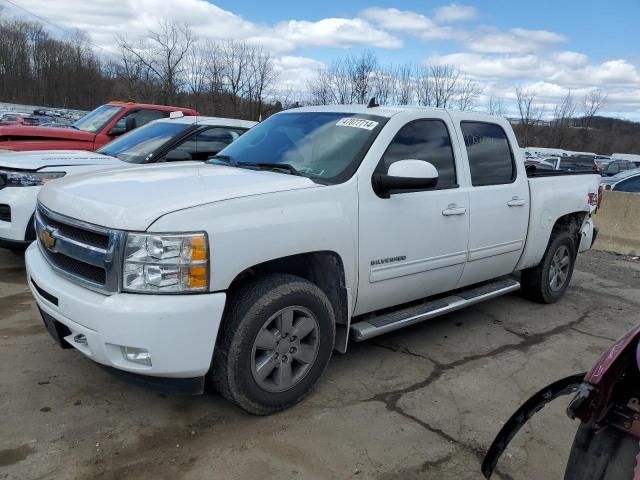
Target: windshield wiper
[(275, 166), (227, 159), (224, 159)]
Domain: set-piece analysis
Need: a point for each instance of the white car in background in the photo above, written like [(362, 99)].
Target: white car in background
[(627, 181), (178, 138)]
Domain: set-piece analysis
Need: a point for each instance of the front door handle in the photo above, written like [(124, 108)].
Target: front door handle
[(453, 209), (516, 202)]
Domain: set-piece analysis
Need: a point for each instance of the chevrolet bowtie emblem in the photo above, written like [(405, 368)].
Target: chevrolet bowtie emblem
[(47, 239)]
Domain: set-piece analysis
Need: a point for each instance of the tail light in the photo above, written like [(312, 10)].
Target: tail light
[(595, 199), (600, 191)]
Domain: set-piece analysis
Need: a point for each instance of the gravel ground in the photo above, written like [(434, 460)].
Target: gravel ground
[(424, 402)]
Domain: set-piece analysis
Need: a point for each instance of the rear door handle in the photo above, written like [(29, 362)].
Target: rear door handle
[(516, 202), (453, 209)]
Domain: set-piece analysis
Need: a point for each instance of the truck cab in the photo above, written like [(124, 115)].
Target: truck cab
[(90, 132)]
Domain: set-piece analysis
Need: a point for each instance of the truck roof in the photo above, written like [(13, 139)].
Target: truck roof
[(390, 110), (197, 119), (149, 106)]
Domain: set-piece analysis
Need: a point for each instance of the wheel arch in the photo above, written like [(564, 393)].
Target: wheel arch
[(323, 268), (539, 237)]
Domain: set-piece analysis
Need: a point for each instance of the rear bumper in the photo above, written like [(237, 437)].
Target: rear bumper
[(22, 201), (178, 331)]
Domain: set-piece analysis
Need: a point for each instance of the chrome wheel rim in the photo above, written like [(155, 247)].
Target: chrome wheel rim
[(285, 349), (559, 269)]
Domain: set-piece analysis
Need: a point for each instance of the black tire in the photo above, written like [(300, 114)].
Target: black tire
[(249, 308), (609, 454), (536, 281)]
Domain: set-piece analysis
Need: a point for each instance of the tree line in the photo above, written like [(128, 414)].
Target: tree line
[(169, 65), (356, 78)]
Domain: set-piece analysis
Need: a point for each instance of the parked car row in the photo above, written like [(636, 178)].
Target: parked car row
[(173, 139), (318, 226)]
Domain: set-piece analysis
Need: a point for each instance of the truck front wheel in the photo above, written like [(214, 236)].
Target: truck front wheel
[(547, 282), (275, 344)]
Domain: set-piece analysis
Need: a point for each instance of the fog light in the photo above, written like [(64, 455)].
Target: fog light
[(136, 355)]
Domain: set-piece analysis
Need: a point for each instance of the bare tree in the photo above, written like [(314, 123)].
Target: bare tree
[(319, 87), (467, 92), (592, 103), (445, 81), (405, 88), (384, 85), (530, 112), (496, 106), (360, 71), (161, 55), (262, 78), (563, 114), (425, 87)]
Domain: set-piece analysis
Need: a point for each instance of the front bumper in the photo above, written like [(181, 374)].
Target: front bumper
[(22, 201), (179, 331)]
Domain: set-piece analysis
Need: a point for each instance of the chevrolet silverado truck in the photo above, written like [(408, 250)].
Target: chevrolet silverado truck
[(179, 138), (317, 226), (90, 132)]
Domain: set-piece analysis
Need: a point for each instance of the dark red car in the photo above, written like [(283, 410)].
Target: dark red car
[(90, 132)]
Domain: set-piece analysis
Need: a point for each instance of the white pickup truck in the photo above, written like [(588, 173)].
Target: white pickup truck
[(177, 138), (319, 225)]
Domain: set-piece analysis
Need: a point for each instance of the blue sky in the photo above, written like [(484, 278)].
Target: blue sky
[(600, 29), (552, 47)]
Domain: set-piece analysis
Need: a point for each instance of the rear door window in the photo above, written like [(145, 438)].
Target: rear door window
[(490, 158)]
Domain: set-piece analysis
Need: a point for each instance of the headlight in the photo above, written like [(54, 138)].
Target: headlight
[(28, 179), (172, 263)]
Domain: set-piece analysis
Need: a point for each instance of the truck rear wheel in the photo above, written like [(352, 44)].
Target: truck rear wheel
[(547, 282), (275, 344), (609, 454)]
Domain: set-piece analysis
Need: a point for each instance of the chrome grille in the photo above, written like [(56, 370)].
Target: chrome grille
[(82, 252)]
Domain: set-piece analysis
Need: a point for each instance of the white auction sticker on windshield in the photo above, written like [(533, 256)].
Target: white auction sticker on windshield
[(357, 123)]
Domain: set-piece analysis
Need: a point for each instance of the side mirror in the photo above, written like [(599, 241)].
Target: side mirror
[(129, 124), (405, 175), (177, 156), (122, 126)]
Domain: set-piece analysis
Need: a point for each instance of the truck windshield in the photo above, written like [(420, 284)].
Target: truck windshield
[(97, 119), (137, 145), (327, 146)]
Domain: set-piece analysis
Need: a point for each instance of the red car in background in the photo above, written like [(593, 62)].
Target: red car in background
[(90, 132)]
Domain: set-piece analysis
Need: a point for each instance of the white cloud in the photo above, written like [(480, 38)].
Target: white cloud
[(399, 20), (294, 72), (412, 23), (104, 19), (335, 32), (455, 13), (516, 40)]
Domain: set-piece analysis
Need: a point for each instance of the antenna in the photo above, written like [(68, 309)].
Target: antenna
[(372, 103)]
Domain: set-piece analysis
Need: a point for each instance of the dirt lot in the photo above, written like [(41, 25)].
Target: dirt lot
[(424, 402)]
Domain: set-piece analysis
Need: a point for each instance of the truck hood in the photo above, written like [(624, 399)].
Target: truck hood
[(35, 160), (133, 198), (14, 132)]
